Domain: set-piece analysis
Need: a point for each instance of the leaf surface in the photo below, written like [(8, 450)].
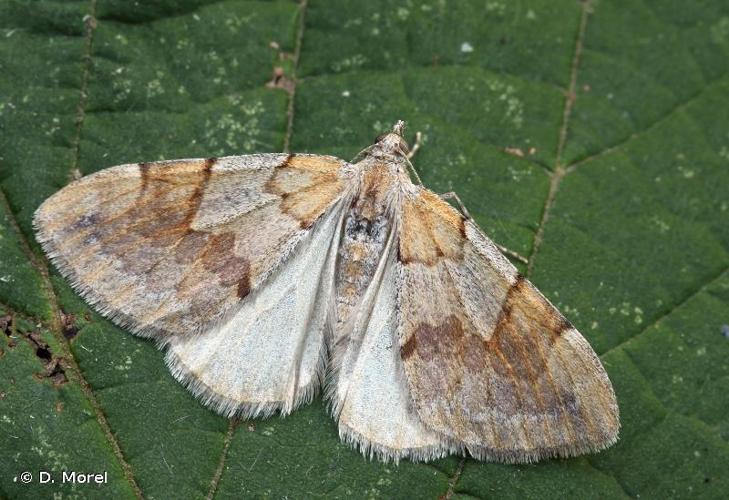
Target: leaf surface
[(591, 137)]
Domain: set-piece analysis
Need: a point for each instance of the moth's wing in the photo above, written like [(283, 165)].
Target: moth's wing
[(169, 248), (489, 362), (368, 390), (270, 354)]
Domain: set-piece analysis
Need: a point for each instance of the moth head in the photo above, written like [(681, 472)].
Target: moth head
[(392, 143)]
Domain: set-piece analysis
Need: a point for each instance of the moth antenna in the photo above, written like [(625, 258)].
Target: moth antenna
[(412, 168), (363, 153), (399, 129)]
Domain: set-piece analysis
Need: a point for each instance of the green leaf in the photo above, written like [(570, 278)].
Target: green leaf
[(592, 137)]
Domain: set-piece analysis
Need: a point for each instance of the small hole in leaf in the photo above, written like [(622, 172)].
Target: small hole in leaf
[(43, 353)]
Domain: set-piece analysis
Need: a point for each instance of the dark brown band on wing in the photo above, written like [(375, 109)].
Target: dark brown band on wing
[(286, 161), (534, 314), (564, 326), (144, 174), (431, 341), (197, 195), (408, 348), (307, 185), (535, 311), (218, 257), (432, 230), (507, 305), (244, 286)]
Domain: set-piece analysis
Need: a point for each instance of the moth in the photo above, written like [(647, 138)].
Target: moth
[(268, 277)]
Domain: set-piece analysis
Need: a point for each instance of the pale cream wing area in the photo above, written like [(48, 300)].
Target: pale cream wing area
[(489, 362), (270, 353), (369, 392), (171, 248)]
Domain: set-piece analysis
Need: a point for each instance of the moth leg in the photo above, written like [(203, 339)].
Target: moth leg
[(512, 254), (453, 196)]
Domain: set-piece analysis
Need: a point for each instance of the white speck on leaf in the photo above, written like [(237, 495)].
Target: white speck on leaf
[(496, 7), (720, 31), (662, 226), (356, 61), (518, 174), (687, 172), (154, 88)]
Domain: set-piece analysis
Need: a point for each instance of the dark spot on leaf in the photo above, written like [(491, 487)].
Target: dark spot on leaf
[(52, 369), (6, 326), (68, 322), (43, 353), (55, 373), (279, 80)]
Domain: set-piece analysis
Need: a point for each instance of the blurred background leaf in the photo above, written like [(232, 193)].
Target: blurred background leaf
[(591, 136)]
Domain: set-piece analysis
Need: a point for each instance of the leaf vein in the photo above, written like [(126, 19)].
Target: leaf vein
[(663, 316), (634, 136), (559, 170)]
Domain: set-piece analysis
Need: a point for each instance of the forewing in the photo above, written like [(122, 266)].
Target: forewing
[(170, 247), (489, 361)]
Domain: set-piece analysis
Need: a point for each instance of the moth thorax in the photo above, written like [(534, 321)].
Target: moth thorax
[(391, 145)]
